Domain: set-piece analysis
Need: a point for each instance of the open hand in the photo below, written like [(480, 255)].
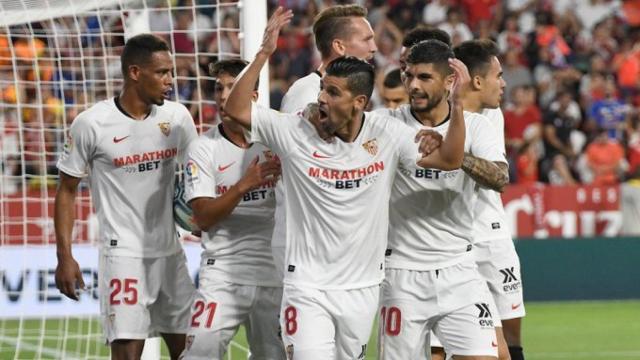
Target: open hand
[(258, 174), (461, 82), (277, 21)]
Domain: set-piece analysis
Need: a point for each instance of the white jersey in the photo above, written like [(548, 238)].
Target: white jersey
[(302, 92), (239, 246), (490, 219), (431, 214), (131, 166), (337, 196)]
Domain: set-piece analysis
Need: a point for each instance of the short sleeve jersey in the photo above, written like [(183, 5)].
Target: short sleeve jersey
[(337, 196), (239, 246), (131, 166), (302, 92), (490, 219), (431, 212)]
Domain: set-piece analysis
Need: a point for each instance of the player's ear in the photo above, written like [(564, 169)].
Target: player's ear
[(476, 82), (254, 95), (448, 81), (360, 102), (338, 47), (134, 72)]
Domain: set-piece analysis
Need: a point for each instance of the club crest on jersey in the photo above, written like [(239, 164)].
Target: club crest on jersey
[(165, 127), (371, 146), (268, 154)]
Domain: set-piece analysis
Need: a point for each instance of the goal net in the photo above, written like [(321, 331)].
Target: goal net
[(57, 58)]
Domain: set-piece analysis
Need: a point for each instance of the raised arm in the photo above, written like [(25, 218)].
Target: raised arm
[(238, 104), (68, 274), (451, 152)]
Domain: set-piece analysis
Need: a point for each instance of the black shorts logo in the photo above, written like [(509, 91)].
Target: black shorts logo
[(291, 268), (113, 242), (363, 352), (510, 282), (484, 315)]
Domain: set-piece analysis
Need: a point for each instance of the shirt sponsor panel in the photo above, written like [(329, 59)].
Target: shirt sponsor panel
[(336, 196)]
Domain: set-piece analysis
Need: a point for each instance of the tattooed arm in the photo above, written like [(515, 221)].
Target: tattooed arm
[(493, 175)]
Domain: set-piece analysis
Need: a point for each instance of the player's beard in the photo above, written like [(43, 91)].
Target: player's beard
[(432, 102)]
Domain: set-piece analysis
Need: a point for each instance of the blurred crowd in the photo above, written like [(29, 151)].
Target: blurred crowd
[(572, 68)]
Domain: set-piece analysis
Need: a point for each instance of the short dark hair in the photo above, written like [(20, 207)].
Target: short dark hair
[(232, 67), (477, 55), (360, 74), (139, 49), (422, 33), (432, 52), (392, 79), (334, 22)]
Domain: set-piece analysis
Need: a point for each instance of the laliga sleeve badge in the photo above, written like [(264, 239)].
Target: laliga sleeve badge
[(191, 169)]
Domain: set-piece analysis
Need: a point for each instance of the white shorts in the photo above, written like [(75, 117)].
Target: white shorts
[(218, 310), (143, 297), (499, 265), (278, 260), (327, 324), (453, 302)]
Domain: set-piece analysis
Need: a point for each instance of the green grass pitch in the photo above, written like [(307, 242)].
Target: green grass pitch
[(560, 330)]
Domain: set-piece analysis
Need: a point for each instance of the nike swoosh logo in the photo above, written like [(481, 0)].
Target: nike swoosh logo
[(513, 307), (319, 156), (494, 344), (223, 168), (117, 140)]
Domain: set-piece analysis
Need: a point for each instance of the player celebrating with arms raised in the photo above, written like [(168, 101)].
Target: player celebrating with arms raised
[(128, 146), (336, 198)]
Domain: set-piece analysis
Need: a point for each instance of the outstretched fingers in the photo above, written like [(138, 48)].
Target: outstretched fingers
[(277, 21)]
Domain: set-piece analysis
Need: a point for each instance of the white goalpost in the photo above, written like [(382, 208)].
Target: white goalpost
[(57, 58)]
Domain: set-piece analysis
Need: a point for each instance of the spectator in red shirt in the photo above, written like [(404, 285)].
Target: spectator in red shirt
[(480, 10), (522, 119), (604, 160), (527, 164)]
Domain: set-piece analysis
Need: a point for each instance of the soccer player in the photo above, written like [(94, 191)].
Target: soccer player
[(336, 198), (432, 282), (339, 30), (229, 184), (497, 259), (418, 34), (129, 146), (393, 93)]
